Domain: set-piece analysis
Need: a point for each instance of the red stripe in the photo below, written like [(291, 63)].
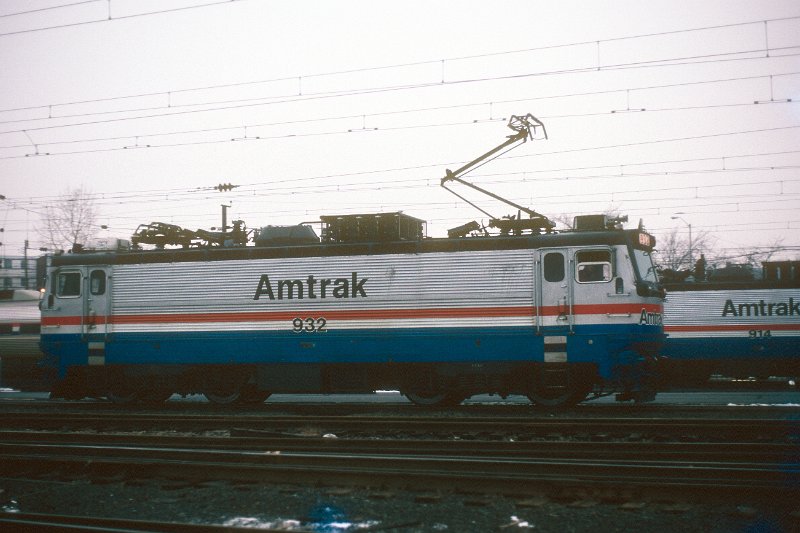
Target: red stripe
[(735, 327), (360, 314), (601, 309), (67, 321)]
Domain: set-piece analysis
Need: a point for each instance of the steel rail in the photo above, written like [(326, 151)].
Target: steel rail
[(58, 522), (643, 450), (719, 429), (521, 475), (490, 406)]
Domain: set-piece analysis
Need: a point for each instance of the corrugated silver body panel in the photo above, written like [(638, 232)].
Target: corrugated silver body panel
[(399, 283), (392, 278), (21, 311), (13, 314), (724, 312)]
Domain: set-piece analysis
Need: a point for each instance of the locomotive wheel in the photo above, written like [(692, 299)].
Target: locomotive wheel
[(223, 397), (225, 387), (561, 387), (435, 399), (565, 398)]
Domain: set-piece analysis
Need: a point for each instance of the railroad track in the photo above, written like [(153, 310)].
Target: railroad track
[(729, 429), (248, 441), (59, 522), (513, 454), (515, 467), (492, 407)]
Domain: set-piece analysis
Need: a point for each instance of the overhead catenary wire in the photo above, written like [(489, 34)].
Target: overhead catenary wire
[(108, 16), (50, 8), (301, 98), (288, 136), (141, 135), (288, 185), (739, 200), (408, 64), (780, 170)]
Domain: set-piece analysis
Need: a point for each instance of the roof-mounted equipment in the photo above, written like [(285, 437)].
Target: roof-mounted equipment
[(296, 235), (371, 227), (598, 222), (525, 128), (160, 235)]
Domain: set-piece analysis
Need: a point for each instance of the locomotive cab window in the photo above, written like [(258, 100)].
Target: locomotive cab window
[(68, 284), (554, 266), (644, 266), (593, 266), (97, 282)]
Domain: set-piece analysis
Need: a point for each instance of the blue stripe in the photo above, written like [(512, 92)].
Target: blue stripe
[(597, 344), (718, 348)]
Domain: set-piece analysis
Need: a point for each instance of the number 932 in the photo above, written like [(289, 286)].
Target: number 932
[(309, 325)]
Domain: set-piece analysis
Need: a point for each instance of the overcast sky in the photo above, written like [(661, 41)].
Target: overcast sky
[(325, 107)]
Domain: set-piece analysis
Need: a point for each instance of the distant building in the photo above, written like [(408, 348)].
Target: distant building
[(733, 272), (18, 273), (785, 271)]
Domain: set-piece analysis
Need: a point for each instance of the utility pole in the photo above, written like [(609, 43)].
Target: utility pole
[(691, 257), (224, 219), (25, 263)]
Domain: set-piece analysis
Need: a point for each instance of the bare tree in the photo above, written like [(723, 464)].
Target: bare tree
[(671, 251), (755, 256), (676, 253), (69, 221)]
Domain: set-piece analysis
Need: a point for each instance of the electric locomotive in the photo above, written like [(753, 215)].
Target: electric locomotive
[(371, 303), (731, 324)]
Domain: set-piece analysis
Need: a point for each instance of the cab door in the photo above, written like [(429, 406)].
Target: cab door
[(97, 311), (96, 302), (79, 298), (554, 294), (63, 311)]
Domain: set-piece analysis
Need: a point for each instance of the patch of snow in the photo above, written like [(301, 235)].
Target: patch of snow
[(764, 405)]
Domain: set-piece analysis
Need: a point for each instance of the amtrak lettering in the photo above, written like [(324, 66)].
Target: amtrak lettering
[(650, 319), (762, 308), (311, 287)]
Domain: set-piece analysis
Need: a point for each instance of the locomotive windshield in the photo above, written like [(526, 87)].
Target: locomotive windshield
[(644, 266), (642, 245)]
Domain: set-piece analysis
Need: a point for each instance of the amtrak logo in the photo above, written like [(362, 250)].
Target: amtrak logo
[(647, 318), (762, 308), (311, 288)]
